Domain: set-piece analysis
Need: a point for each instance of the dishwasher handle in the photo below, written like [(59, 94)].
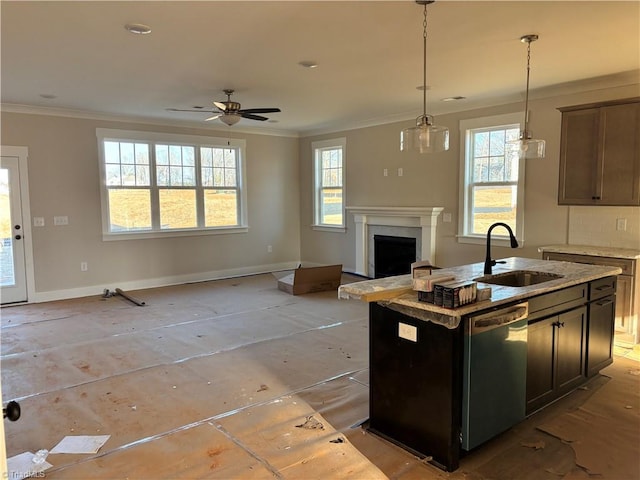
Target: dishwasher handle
[(499, 318)]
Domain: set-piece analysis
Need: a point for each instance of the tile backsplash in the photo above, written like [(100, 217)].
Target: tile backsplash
[(597, 226)]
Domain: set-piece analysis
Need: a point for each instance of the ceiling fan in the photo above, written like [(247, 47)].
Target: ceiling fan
[(230, 112)]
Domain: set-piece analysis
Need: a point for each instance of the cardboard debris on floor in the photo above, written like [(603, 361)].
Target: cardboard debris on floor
[(80, 444), (23, 466), (311, 279)]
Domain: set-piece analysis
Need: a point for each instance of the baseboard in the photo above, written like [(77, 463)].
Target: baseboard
[(91, 290)]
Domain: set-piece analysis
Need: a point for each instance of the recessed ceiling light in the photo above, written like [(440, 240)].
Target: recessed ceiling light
[(48, 96), (453, 99), (308, 64), (137, 28)]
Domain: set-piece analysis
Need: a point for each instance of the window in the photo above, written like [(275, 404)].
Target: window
[(159, 184), (492, 183), (328, 198)]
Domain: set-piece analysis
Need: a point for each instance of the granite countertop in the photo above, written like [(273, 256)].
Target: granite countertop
[(572, 274), (594, 251)]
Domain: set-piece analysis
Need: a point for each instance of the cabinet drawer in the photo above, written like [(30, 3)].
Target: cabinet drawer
[(556, 302), (625, 264), (602, 288)]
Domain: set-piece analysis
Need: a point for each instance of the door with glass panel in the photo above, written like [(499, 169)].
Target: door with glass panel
[(13, 285)]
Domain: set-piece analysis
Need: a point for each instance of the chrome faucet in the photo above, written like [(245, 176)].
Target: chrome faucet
[(488, 263)]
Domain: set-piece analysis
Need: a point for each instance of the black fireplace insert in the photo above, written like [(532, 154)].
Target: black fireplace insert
[(393, 255)]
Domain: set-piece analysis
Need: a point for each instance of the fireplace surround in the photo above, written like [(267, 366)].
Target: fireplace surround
[(398, 221)]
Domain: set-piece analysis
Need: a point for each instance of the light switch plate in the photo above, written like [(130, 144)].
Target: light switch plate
[(61, 220), (38, 221)]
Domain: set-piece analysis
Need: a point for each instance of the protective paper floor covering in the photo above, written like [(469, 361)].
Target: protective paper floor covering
[(226, 379)]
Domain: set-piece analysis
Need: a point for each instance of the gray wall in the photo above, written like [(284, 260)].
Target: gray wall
[(433, 181), (64, 180)]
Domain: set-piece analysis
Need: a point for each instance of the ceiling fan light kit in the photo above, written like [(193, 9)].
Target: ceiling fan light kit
[(528, 148), (425, 137), (230, 118)]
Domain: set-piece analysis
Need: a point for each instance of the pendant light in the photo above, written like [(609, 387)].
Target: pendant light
[(425, 137), (528, 148)]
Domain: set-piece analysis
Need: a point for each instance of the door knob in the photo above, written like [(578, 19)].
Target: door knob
[(18, 237), (17, 227)]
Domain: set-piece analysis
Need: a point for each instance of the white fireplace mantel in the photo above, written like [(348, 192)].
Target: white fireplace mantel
[(424, 218)]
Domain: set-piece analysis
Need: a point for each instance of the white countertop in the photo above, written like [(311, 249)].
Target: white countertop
[(572, 274), (594, 251)]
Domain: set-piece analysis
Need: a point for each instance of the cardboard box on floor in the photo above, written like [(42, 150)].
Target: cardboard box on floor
[(311, 279)]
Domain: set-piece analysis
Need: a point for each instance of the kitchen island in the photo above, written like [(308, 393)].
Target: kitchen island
[(444, 381)]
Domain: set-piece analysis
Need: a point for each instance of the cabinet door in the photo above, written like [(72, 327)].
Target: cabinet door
[(570, 351), (624, 314), (620, 184), (579, 149), (540, 363), (600, 334)]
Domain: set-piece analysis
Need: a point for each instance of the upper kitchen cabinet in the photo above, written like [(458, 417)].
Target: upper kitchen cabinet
[(600, 154)]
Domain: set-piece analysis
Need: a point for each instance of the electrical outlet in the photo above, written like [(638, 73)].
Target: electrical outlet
[(400, 172), (84, 266), (621, 224), (446, 218), (61, 220), (408, 332), (385, 172), (269, 249)]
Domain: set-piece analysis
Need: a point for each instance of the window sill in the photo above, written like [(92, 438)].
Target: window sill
[(498, 241), (109, 237), (326, 228)]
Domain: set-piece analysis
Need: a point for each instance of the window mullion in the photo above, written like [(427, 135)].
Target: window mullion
[(199, 189), (155, 195)]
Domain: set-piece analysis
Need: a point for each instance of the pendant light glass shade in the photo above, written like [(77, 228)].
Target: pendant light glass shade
[(528, 148), (425, 137)]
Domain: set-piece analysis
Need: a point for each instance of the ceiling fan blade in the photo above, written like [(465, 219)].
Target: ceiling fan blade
[(218, 115), (221, 106), (251, 116), (192, 111), (260, 110)]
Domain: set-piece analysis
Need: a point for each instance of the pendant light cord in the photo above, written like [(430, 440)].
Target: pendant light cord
[(424, 63), (526, 97)]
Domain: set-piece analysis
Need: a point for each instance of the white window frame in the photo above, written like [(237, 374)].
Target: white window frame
[(499, 236), (316, 150), (153, 138)]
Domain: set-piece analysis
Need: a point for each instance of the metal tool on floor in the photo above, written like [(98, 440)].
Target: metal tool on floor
[(118, 291)]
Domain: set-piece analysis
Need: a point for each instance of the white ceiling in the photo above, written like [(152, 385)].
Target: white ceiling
[(369, 55)]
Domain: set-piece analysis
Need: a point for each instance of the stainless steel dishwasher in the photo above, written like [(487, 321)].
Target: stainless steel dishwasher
[(494, 373)]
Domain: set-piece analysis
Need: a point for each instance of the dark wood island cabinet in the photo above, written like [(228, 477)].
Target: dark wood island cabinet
[(426, 388)]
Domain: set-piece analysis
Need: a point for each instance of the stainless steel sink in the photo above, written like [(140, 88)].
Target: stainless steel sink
[(518, 278)]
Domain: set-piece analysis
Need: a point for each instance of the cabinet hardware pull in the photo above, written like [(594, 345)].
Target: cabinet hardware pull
[(604, 302), (604, 287), (558, 324)]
